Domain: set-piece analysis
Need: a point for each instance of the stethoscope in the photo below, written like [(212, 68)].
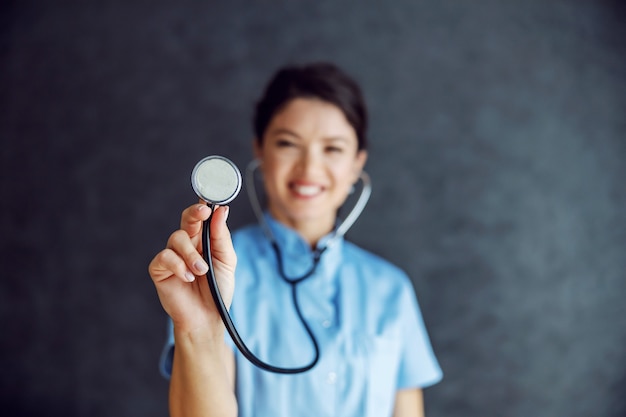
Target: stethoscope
[(217, 181)]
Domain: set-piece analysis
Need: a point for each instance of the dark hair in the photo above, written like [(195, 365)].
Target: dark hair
[(323, 81)]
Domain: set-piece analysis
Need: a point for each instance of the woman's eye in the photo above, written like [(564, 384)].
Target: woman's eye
[(334, 149), (284, 143)]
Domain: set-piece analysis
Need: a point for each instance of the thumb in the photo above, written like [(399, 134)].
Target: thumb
[(222, 249)]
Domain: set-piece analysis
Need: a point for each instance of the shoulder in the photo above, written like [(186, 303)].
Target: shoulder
[(374, 269), (370, 260)]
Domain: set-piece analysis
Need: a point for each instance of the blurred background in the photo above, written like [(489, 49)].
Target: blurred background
[(498, 159)]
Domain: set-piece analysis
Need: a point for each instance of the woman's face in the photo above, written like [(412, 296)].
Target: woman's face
[(310, 160)]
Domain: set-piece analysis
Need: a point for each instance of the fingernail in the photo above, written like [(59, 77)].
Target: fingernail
[(227, 210), (201, 267), (190, 277)]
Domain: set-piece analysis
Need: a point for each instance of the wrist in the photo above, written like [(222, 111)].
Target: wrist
[(204, 337)]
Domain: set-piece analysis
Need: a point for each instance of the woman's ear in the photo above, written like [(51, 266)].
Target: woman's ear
[(359, 163)]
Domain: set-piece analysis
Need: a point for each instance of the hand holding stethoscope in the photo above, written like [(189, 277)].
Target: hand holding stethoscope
[(187, 300)]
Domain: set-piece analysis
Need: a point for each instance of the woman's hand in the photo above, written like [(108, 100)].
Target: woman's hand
[(179, 271)]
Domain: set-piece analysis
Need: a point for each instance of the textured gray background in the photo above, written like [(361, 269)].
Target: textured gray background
[(498, 154)]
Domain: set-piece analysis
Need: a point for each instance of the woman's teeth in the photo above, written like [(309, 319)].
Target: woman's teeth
[(307, 190)]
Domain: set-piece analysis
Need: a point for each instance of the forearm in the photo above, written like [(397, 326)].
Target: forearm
[(201, 385), (409, 403)]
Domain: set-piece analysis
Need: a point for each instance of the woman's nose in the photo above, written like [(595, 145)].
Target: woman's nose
[(310, 161)]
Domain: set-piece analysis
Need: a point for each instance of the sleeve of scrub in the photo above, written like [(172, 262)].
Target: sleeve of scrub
[(418, 364), (167, 355)]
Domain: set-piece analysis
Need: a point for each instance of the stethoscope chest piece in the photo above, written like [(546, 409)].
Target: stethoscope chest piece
[(216, 180)]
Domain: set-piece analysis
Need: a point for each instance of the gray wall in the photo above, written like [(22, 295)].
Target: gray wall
[(498, 161)]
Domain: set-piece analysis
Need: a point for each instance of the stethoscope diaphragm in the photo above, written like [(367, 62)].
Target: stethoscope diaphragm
[(216, 180)]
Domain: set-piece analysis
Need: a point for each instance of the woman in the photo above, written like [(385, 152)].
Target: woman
[(310, 129)]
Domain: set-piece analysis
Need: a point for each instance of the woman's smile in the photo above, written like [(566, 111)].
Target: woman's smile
[(305, 190)]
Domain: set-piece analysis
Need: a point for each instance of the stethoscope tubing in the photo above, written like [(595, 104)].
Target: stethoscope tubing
[(293, 282), (228, 323)]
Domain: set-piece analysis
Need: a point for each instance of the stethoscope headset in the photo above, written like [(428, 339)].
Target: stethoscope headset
[(217, 181)]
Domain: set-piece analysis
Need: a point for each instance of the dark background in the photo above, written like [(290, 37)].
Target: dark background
[(498, 146)]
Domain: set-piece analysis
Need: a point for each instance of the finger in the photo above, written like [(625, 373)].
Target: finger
[(192, 217), (181, 244), (222, 248), (167, 264)]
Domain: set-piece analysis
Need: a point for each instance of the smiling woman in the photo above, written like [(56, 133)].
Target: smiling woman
[(375, 352), (310, 160)]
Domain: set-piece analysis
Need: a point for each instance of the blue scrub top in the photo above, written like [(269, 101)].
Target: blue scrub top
[(362, 310)]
